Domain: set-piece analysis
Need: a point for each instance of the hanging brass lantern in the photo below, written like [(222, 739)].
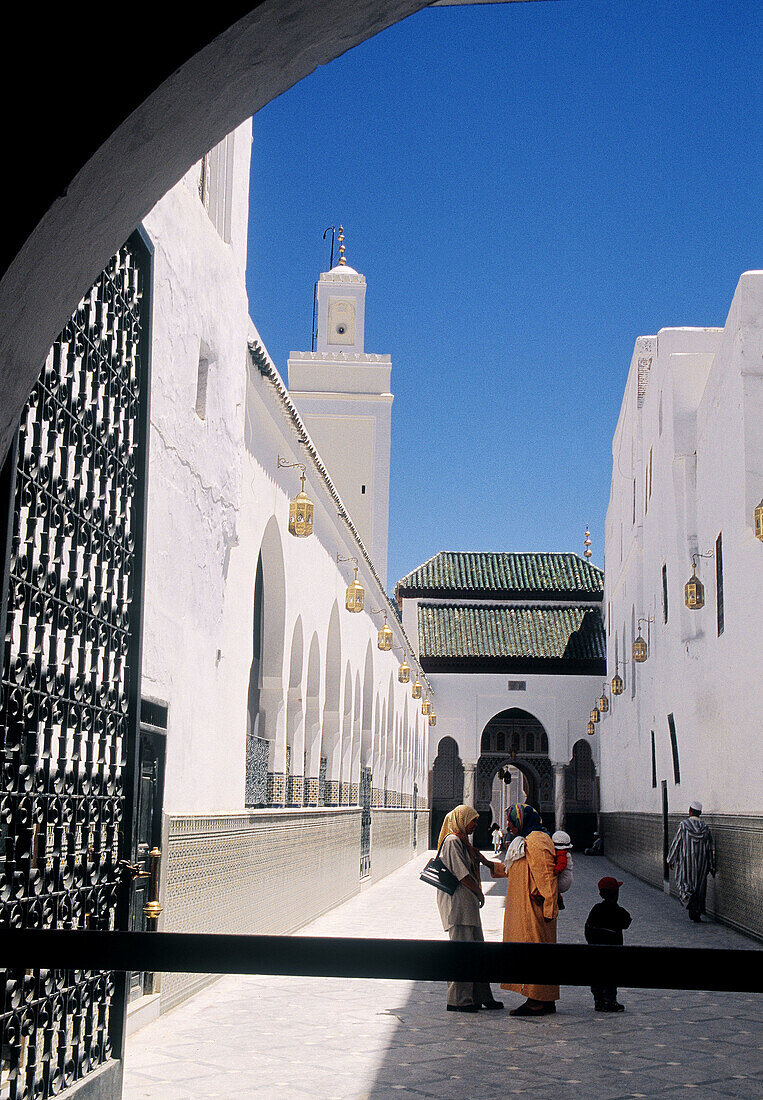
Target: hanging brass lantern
[(694, 592), (590, 729), (426, 707), (385, 636), (759, 521), (301, 509), (355, 596), (404, 672), (603, 702), (617, 685), (432, 719), (640, 652), (416, 689), (595, 716)]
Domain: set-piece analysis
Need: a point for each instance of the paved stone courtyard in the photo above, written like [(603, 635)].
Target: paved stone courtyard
[(331, 1038)]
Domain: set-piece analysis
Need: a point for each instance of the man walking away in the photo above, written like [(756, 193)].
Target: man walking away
[(693, 855)]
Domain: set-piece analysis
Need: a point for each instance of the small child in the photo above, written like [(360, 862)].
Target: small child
[(605, 925), (563, 864)]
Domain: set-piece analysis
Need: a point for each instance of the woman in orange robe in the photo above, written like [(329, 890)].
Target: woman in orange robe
[(531, 901)]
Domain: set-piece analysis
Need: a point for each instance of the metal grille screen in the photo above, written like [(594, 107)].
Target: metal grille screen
[(69, 686)]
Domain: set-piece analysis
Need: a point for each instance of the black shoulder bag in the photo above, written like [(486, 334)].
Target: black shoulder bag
[(438, 875)]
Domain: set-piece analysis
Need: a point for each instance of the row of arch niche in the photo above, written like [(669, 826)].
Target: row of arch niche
[(312, 755), (515, 741)]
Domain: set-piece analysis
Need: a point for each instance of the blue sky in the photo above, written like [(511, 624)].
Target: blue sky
[(527, 188)]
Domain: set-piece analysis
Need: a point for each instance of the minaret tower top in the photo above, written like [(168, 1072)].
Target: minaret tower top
[(341, 308), (343, 394)]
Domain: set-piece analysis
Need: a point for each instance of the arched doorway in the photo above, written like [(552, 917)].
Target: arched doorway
[(513, 739), (447, 785), (581, 795)]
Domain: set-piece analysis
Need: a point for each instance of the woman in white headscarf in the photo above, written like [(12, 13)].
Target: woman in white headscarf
[(460, 913)]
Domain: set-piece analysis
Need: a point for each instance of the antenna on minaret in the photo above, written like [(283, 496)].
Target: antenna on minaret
[(587, 551), (332, 230), (342, 260)]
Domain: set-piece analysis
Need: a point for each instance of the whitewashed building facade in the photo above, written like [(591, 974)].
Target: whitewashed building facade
[(687, 475), (289, 759)]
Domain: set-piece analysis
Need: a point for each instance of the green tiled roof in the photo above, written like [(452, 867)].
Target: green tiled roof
[(555, 576), (526, 632)]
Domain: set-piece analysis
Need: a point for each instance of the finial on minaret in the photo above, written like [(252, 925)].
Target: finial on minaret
[(587, 551), (342, 260)]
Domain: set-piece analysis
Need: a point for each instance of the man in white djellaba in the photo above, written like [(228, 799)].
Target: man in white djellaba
[(692, 853)]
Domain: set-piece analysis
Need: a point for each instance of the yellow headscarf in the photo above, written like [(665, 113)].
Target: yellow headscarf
[(457, 821)]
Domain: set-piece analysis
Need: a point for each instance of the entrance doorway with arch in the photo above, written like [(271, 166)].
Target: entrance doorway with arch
[(513, 744)]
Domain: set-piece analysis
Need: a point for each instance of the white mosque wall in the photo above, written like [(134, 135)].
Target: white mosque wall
[(216, 501), (216, 498), (692, 445), (467, 701)]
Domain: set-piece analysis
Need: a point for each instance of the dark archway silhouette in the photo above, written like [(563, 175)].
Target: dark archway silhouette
[(513, 736), (447, 785)]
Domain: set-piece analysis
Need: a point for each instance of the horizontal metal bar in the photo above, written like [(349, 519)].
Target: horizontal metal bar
[(420, 960)]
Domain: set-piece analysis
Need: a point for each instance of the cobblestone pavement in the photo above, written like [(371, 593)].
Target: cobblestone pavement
[(326, 1038)]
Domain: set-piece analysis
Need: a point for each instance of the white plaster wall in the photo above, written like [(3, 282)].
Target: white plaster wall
[(194, 494), (214, 491), (705, 386), (467, 701)]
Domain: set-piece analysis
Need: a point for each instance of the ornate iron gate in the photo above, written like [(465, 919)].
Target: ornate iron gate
[(70, 675), (365, 822)]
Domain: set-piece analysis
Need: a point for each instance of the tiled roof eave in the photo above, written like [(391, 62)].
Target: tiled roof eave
[(490, 595), (485, 632), (558, 666)]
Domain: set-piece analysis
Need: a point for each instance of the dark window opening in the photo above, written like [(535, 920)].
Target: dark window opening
[(253, 707), (654, 762), (202, 379), (719, 585), (153, 713), (665, 836), (674, 748), (664, 593), (363, 490)]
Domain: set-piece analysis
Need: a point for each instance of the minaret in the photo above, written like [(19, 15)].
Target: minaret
[(343, 395)]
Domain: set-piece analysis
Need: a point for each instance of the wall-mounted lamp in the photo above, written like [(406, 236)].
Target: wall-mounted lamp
[(355, 595), (416, 688), (640, 647), (404, 672), (426, 707), (301, 509), (759, 521), (384, 640), (595, 716), (590, 729), (432, 719), (603, 702), (694, 589), (617, 683)]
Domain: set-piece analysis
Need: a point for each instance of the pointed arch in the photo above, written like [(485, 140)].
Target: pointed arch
[(367, 711), (330, 751), (295, 711), (309, 763), (354, 776), (265, 701), (347, 739)]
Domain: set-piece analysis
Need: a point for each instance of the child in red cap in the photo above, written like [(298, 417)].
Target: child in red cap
[(605, 925)]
